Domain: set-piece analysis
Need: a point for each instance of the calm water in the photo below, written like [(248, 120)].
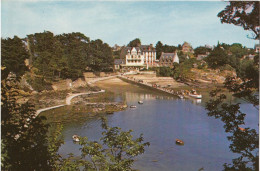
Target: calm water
[(162, 119)]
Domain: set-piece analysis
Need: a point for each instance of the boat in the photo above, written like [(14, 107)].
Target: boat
[(75, 138), (180, 96), (132, 106), (241, 129), (140, 102), (179, 142), (195, 95)]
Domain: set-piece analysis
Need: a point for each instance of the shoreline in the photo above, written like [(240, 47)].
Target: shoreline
[(175, 91), (68, 101)]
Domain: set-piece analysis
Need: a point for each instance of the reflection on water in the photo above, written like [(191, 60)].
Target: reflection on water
[(162, 119)]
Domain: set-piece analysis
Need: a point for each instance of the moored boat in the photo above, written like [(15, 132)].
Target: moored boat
[(180, 96), (179, 142), (195, 95), (140, 102), (132, 106), (75, 138)]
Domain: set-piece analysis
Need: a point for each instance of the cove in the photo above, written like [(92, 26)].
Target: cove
[(162, 119)]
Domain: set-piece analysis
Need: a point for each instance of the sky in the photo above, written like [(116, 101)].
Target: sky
[(118, 22)]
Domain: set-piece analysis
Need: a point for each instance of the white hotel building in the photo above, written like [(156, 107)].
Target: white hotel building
[(140, 57)]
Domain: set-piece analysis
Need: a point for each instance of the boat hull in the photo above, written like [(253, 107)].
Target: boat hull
[(195, 96)]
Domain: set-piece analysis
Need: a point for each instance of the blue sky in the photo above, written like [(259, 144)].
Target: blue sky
[(118, 22)]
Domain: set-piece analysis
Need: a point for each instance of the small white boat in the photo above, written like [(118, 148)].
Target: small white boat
[(75, 138), (180, 96), (195, 95), (132, 106), (140, 102)]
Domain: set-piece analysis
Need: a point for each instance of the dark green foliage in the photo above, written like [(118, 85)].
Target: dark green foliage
[(116, 54), (165, 72), (218, 57), (182, 56), (135, 43), (201, 50), (159, 49), (67, 55), (23, 136), (100, 56), (116, 153), (183, 71), (74, 59), (242, 13), (245, 143), (164, 48), (12, 56)]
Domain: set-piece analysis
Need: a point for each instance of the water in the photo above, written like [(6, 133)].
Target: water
[(162, 119)]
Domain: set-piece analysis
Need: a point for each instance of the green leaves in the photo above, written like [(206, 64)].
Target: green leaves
[(243, 141), (22, 133), (13, 54), (135, 43), (116, 152), (242, 13)]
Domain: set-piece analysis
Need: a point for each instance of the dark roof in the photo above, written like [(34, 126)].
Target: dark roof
[(147, 48), (130, 48), (119, 61), (143, 48), (167, 55)]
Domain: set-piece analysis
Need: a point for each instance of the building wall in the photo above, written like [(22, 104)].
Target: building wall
[(134, 58), (149, 58)]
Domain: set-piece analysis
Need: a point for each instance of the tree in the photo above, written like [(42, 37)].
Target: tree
[(218, 57), (100, 56), (242, 13), (117, 151), (164, 48), (165, 71), (135, 43), (23, 135), (201, 50), (244, 141), (182, 71), (159, 49), (13, 56)]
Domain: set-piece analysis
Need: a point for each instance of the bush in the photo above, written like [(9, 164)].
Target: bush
[(165, 72), (226, 67)]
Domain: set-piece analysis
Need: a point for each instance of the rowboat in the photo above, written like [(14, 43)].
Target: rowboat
[(75, 138), (195, 95), (179, 142), (140, 102)]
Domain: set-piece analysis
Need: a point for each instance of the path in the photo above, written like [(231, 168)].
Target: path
[(71, 96), (68, 101)]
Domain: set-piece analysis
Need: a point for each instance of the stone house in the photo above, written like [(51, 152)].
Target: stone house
[(118, 63), (186, 48), (167, 59)]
